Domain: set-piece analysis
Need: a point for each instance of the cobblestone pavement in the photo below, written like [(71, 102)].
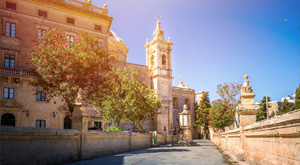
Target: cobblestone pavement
[(204, 154)]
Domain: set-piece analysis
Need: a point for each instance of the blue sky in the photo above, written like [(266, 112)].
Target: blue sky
[(217, 41)]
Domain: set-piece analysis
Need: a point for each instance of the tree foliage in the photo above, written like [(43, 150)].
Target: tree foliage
[(297, 99), (262, 112), (223, 110), (285, 107), (124, 98), (62, 67), (202, 111)]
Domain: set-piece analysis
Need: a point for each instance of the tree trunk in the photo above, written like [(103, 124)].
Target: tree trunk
[(140, 126)]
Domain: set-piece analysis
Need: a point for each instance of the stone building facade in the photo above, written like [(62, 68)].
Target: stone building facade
[(22, 21)]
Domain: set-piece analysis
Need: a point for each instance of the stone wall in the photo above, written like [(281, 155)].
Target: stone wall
[(20, 145), (38, 146), (272, 141)]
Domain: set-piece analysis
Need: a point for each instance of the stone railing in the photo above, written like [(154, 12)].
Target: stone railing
[(272, 141), (80, 6), (14, 72)]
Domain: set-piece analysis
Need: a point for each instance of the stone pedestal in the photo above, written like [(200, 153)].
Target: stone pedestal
[(79, 118), (187, 133), (247, 110)]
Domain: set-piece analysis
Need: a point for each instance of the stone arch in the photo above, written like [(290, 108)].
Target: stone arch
[(8, 119), (187, 103), (67, 122), (175, 102), (114, 58), (164, 60)]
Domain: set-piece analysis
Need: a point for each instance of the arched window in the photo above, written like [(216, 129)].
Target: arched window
[(164, 60), (67, 123), (152, 61), (175, 102), (113, 58), (8, 119), (187, 103)]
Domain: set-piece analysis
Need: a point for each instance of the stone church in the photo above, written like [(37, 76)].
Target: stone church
[(22, 105)]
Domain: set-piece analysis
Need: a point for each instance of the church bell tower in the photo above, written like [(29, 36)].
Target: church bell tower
[(158, 60)]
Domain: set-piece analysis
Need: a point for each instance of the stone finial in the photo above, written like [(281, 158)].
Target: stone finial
[(246, 82), (90, 1), (185, 107), (147, 40), (84, 1), (181, 82), (158, 32), (187, 85), (169, 39), (105, 6)]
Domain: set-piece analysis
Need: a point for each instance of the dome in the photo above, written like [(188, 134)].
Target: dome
[(113, 36)]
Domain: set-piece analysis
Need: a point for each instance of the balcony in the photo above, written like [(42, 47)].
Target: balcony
[(14, 72), (79, 6)]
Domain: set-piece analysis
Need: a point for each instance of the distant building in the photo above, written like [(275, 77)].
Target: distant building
[(274, 105)]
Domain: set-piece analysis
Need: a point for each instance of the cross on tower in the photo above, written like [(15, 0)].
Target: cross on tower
[(158, 16), (180, 77)]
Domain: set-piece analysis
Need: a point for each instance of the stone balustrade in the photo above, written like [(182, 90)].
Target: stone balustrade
[(80, 6), (14, 72)]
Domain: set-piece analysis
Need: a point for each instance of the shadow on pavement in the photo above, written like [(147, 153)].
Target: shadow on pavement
[(119, 158)]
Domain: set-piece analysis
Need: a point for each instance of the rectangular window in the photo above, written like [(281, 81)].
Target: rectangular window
[(8, 93), (10, 29), (97, 124), (70, 39), (11, 6), (98, 28), (40, 95), (41, 32), (42, 13), (9, 61), (70, 20), (40, 124)]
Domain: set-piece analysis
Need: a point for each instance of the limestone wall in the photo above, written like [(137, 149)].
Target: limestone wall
[(38, 146), (22, 145), (273, 141)]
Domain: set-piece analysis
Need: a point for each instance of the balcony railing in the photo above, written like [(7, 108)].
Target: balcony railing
[(14, 72), (79, 6)]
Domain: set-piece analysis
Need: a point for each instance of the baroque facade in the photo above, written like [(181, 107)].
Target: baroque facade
[(22, 105)]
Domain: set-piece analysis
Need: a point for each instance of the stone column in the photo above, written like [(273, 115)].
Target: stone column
[(247, 110)]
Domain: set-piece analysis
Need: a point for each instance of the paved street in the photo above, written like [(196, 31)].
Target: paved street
[(204, 154)]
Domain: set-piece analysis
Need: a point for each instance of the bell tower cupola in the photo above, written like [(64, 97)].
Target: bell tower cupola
[(158, 53)]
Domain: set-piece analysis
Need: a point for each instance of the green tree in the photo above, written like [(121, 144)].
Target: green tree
[(62, 67), (285, 107), (297, 99), (223, 110), (262, 112), (202, 111), (144, 103), (124, 98)]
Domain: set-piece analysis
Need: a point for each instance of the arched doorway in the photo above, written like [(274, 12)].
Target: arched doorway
[(67, 123), (8, 119)]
